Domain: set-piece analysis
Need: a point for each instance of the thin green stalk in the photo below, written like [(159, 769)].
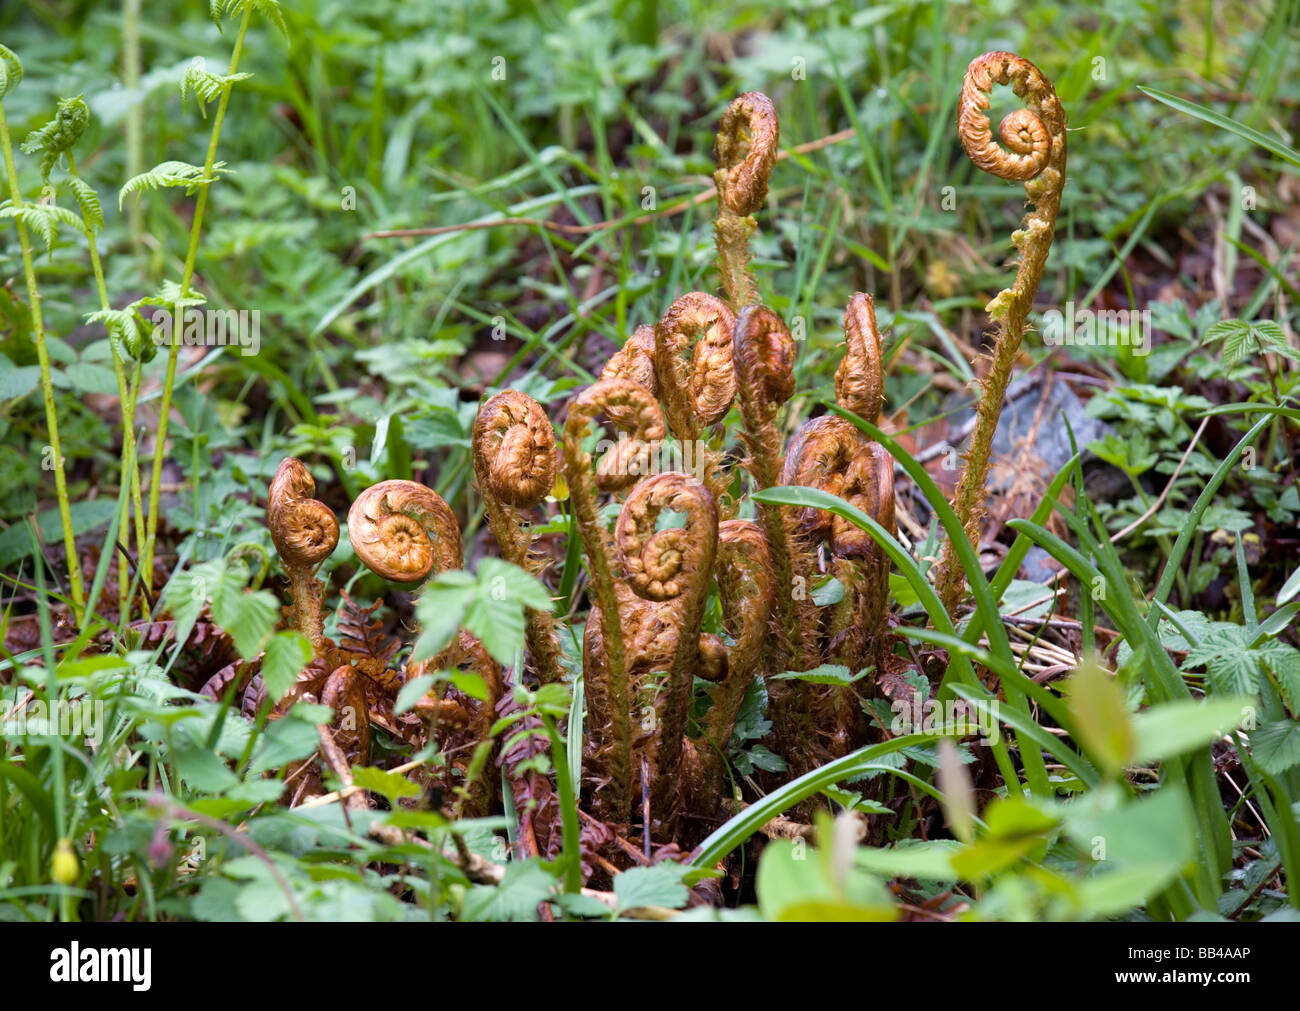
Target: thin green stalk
[(127, 399), (134, 117), (173, 351), (43, 358), (53, 741), (568, 807)]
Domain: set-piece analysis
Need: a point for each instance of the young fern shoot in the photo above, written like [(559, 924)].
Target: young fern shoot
[(746, 151), (1032, 151), (513, 450), (305, 533)]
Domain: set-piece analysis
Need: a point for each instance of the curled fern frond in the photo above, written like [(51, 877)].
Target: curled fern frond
[(513, 452), (305, 533), (11, 71), (1032, 151), (404, 531), (746, 151), (58, 135)]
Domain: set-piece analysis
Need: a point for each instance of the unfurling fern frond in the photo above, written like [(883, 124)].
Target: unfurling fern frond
[(11, 71), (205, 85), (170, 173), (59, 134), (219, 10)]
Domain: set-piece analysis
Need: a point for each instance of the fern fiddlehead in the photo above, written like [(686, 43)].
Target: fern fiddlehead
[(1032, 151), (305, 533), (696, 383), (404, 531), (635, 360), (746, 151), (513, 451)]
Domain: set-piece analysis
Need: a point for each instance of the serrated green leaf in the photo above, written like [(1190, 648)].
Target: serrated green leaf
[(389, 785), (1276, 746), (657, 885), (287, 653)]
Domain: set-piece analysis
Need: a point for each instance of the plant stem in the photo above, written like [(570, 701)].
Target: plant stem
[(47, 385), (127, 398), (173, 350), (134, 117), (568, 808)]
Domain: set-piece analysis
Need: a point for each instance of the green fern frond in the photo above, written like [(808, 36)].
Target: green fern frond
[(206, 86), (43, 219), (92, 212), (219, 10), (169, 173)]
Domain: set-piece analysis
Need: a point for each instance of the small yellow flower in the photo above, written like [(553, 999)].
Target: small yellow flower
[(64, 869)]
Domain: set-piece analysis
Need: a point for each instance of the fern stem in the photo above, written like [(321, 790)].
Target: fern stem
[(173, 351), (127, 397), (43, 358)]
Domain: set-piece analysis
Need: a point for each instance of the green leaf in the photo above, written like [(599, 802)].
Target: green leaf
[(1276, 746), (389, 785), (17, 380), (826, 674), (1283, 662), (282, 742), (287, 653), (1290, 588), (526, 884), (1173, 728), (203, 770), (92, 212), (496, 613), (248, 617), (1224, 123), (412, 692), (657, 885), (930, 861), (794, 884), (1105, 726), (441, 611)]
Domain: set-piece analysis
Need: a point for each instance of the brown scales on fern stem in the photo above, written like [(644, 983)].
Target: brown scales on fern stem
[(764, 360), (673, 566), (1032, 151), (632, 408), (305, 533), (513, 450), (746, 590)]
